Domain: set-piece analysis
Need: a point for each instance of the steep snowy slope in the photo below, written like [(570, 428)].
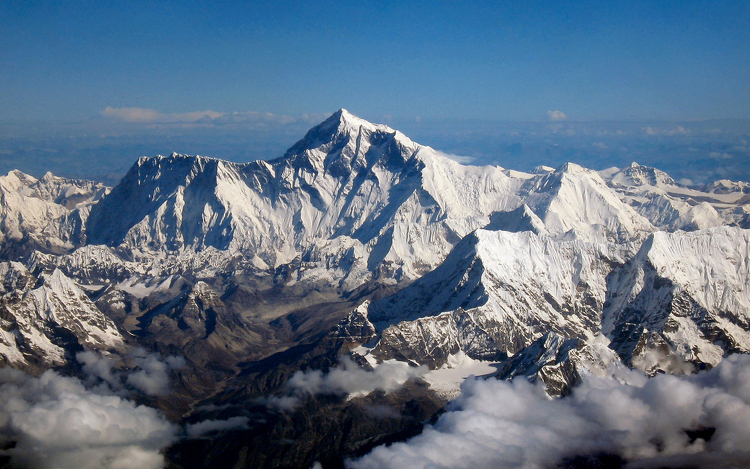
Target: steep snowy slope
[(684, 293), (495, 294), (578, 199)]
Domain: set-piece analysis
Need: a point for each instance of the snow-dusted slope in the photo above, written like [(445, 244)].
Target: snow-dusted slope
[(43, 324), (561, 363), (47, 213), (670, 206)]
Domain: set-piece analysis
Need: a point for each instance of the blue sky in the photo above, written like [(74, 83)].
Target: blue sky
[(480, 60), (87, 87)]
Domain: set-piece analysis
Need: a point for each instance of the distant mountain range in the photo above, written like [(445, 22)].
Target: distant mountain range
[(360, 243)]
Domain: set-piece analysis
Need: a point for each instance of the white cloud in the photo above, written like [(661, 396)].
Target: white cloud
[(131, 114), (152, 376), (456, 158), (670, 132), (146, 372), (515, 424), (556, 116), (349, 379), (98, 367), (56, 422)]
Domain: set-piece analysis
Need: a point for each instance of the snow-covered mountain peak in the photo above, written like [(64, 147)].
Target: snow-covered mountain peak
[(566, 174), (575, 198), (44, 213), (572, 168), (725, 186), (70, 193), (16, 180), (639, 175), (542, 169), (344, 143), (347, 120), (168, 202)]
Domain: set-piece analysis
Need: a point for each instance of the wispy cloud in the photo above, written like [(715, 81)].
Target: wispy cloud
[(251, 118), (720, 155), (152, 375), (135, 114), (669, 132), (700, 421), (348, 379), (457, 158), (208, 426)]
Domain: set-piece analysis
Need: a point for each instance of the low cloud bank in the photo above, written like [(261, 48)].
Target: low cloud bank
[(54, 421), (700, 421), (349, 378)]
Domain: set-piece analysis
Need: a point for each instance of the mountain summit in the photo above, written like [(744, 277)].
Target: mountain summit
[(349, 189)]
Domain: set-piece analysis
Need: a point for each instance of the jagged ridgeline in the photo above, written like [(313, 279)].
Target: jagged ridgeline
[(360, 243)]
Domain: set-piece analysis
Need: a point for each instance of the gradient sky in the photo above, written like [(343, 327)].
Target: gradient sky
[(69, 60)]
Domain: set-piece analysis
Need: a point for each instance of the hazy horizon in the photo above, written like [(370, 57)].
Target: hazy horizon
[(103, 149)]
